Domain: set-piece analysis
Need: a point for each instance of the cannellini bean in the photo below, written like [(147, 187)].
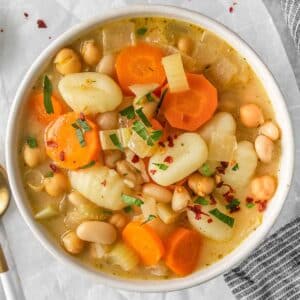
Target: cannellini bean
[(108, 120), (180, 199), (251, 115), (118, 220), (107, 65), (32, 156), (157, 192), (270, 130), (67, 61), (185, 45), (77, 199), (201, 185), (263, 187), (72, 243), (97, 251), (56, 185), (90, 52), (264, 148), (111, 157), (97, 232)]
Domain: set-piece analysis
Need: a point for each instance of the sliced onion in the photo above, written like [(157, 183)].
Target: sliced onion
[(140, 90), (35, 180)]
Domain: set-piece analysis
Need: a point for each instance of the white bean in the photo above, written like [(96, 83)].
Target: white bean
[(107, 65), (97, 232), (32, 156), (157, 192), (201, 185), (251, 115), (185, 45), (108, 120), (72, 243), (181, 198), (264, 148), (270, 130), (56, 185), (118, 220), (263, 187)]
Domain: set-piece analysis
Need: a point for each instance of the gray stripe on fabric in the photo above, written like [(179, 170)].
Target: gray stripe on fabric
[(273, 271)]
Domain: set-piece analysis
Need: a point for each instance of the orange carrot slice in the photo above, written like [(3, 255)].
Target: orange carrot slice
[(37, 104), (182, 251), (145, 241), (140, 64), (67, 147), (190, 109)]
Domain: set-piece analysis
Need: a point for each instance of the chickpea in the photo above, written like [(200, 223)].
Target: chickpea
[(97, 232), (270, 130), (201, 185), (32, 156), (67, 61), (90, 52), (118, 220), (72, 243), (264, 148), (111, 157), (180, 199), (107, 65), (77, 199), (157, 192), (108, 120), (56, 185), (251, 115), (185, 45), (263, 187)]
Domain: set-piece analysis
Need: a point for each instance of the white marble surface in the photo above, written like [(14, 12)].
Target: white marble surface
[(21, 41)]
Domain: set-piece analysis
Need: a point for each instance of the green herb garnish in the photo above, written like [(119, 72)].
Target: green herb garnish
[(90, 164), (140, 129), (156, 135), (115, 140), (161, 166), (150, 218), (31, 142), (79, 135), (233, 204), (127, 209), (222, 217), (149, 97), (235, 167), (128, 112), (83, 125), (47, 89), (250, 204), (142, 116), (206, 170), (141, 30), (49, 174), (130, 200), (201, 200)]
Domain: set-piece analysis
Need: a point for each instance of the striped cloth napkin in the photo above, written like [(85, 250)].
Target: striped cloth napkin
[(272, 272)]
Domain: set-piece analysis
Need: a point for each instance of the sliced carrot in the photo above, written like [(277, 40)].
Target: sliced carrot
[(182, 251), (37, 104), (140, 64), (145, 241), (63, 144), (190, 109)]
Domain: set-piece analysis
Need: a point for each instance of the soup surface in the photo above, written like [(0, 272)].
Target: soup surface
[(150, 148)]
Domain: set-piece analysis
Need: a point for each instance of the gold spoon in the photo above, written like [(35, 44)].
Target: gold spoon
[(5, 276)]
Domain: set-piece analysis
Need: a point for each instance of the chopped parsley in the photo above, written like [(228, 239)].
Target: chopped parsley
[(141, 30), (235, 167), (115, 140), (222, 217), (149, 97), (127, 209), (206, 170), (128, 112), (156, 135), (130, 200), (90, 164), (233, 204), (47, 90), (201, 200), (140, 129), (161, 166), (79, 134), (250, 204), (150, 218), (31, 142), (83, 125), (49, 174), (142, 116)]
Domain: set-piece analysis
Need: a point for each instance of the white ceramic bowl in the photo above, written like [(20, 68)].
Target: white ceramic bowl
[(282, 117)]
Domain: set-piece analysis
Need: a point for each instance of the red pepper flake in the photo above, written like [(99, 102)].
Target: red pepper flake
[(161, 144), (26, 14), (82, 116), (220, 184), (49, 37), (135, 159), (223, 166), (175, 136), (196, 209), (261, 205), (152, 172), (103, 182), (231, 9), (53, 167), (228, 196), (209, 220), (212, 199), (62, 155), (170, 141), (52, 144), (249, 200), (41, 23), (168, 159)]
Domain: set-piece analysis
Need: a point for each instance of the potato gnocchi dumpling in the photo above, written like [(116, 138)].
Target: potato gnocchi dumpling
[(148, 143)]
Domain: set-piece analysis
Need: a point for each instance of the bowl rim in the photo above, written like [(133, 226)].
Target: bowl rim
[(239, 253)]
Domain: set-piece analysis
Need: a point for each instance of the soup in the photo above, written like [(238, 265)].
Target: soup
[(150, 149)]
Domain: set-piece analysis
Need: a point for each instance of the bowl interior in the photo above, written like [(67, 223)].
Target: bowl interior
[(282, 117)]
